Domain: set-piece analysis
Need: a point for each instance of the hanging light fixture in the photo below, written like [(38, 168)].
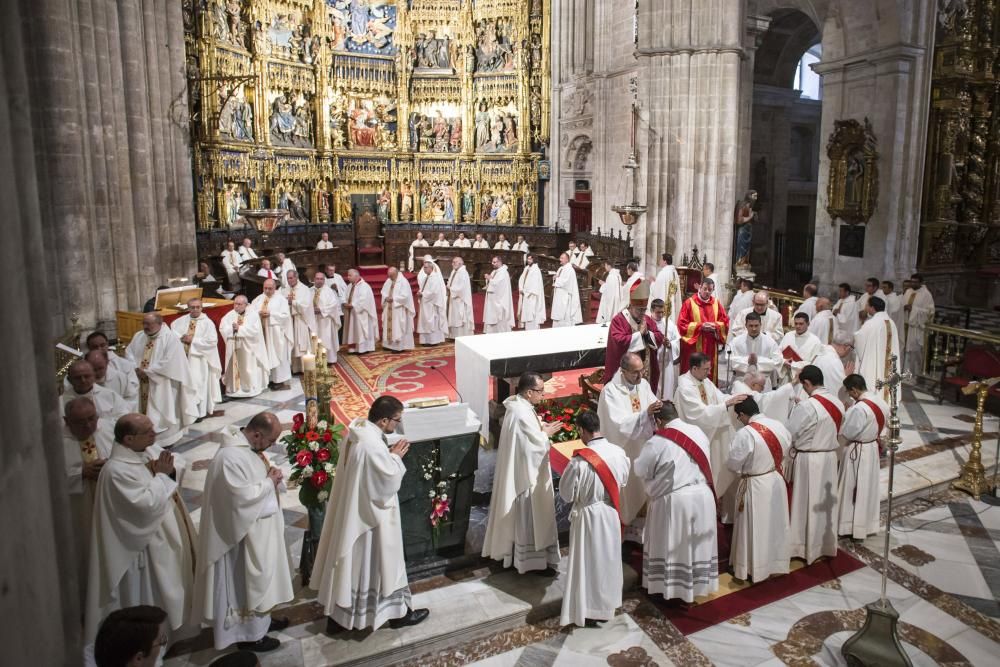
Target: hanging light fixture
[(630, 213)]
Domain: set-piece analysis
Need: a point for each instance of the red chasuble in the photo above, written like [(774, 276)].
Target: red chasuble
[(619, 339), (694, 314)]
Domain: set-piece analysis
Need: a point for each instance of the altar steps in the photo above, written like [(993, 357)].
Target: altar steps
[(461, 612)]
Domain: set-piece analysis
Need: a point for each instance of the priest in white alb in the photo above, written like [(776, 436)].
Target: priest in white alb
[(752, 350), (142, 546), (799, 346), (83, 384), (845, 311), (324, 242), (276, 322), (166, 395), (742, 299), (87, 444), (700, 403), (247, 362), (531, 296), (521, 523), (612, 302), (201, 343), (231, 262), (812, 471), (875, 343), (415, 246), (666, 286), (359, 572), (668, 354), (498, 313), (680, 557), (441, 241), (760, 546), (502, 243), (480, 243), (824, 323), (774, 403), (303, 320), (461, 320), (770, 319), (893, 305), (591, 484), (565, 295), (462, 241), (858, 487), (432, 318), (626, 407), (244, 570), (327, 314), (633, 277), (871, 289), (397, 313), (336, 282), (282, 265), (360, 315), (808, 305), (97, 340), (127, 387), (918, 312)]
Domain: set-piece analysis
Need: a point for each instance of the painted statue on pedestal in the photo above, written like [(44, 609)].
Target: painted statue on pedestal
[(743, 220)]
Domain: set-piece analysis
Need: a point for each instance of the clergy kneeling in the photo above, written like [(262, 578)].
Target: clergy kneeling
[(243, 565), (247, 366), (521, 525), (359, 567), (859, 469), (201, 344), (760, 532), (142, 541), (680, 557), (591, 483)]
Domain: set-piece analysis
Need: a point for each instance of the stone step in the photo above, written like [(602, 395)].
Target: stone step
[(460, 613)]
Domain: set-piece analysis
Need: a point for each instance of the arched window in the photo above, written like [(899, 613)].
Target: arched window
[(806, 80)]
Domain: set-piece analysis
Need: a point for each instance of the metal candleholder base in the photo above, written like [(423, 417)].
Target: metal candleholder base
[(877, 643)]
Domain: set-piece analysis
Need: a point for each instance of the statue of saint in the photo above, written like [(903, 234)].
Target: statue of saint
[(743, 220)]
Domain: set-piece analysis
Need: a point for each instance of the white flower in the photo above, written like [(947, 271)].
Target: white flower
[(322, 426), (328, 467), (314, 445), (442, 484), (307, 471), (444, 496), (430, 494), (427, 475), (322, 496)]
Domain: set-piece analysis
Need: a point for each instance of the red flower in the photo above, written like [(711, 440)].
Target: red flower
[(568, 411), (312, 436), (304, 458), (323, 455), (298, 420), (319, 479), (567, 427), (327, 437)]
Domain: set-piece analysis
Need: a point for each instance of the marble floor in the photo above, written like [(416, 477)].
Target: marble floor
[(944, 580)]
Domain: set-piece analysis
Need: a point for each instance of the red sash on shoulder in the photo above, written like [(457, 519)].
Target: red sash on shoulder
[(835, 414), (773, 446), (788, 352), (879, 415), (605, 475), (692, 449)]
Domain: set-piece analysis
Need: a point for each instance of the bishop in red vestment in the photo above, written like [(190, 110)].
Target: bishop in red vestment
[(632, 330), (703, 325)]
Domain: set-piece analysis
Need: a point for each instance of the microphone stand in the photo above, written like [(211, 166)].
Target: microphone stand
[(729, 369)]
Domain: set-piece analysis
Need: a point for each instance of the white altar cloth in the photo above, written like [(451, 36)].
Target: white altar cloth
[(476, 355)]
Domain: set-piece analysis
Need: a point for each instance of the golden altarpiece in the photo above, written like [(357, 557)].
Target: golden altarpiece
[(413, 111)]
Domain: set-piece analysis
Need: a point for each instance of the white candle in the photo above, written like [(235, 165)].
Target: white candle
[(308, 362)]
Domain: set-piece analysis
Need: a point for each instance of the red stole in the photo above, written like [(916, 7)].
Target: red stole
[(773, 446), (605, 475), (879, 416), (835, 414), (692, 449)]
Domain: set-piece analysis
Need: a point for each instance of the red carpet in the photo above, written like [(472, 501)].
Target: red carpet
[(700, 616)]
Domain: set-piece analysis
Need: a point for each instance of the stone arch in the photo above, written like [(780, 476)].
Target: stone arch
[(578, 153)]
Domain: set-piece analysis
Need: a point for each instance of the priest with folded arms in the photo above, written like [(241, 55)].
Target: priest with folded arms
[(531, 299), (359, 569), (680, 557), (875, 343), (324, 242), (397, 313), (360, 314), (201, 343), (432, 319), (858, 486), (799, 346), (87, 444), (521, 524), (247, 362), (703, 325), (626, 407), (166, 394), (83, 384), (565, 295), (142, 540), (632, 330), (461, 320), (244, 570), (303, 321), (668, 353), (498, 313), (611, 294), (591, 483), (700, 403), (758, 454), (335, 282), (326, 313), (276, 321), (812, 471), (752, 350)]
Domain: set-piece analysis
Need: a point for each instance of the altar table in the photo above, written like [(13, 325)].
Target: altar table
[(504, 355)]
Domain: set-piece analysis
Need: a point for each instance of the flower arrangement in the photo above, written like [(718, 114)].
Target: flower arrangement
[(564, 411), (440, 505), (313, 453)]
